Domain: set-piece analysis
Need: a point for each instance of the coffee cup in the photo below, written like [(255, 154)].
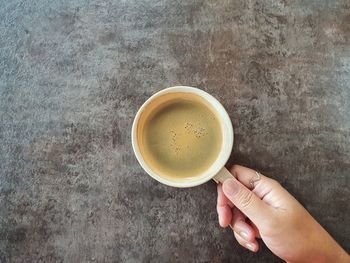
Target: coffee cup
[(201, 112)]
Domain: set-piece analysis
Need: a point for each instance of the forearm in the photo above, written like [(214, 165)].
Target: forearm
[(338, 254)]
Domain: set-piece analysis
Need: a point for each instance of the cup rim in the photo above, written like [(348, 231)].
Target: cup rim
[(218, 164)]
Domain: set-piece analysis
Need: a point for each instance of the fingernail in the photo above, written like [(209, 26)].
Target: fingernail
[(220, 220), (244, 235), (250, 247), (230, 187)]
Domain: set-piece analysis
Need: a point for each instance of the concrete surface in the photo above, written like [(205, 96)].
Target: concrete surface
[(73, 74)]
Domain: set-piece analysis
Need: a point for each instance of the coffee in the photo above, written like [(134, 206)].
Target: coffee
[(179, 135)]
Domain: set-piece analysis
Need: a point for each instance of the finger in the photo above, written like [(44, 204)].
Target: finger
[(225, 215), (255, 228), (222, 199), (223, 209), (252, 246), (241, 227), (266, 188), (249, 178), (246, 201)]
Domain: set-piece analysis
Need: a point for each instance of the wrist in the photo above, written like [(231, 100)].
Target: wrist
[(334, 252), (324, 248), (340, 256)]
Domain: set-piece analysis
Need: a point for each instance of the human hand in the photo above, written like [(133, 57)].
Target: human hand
[(264, 209)]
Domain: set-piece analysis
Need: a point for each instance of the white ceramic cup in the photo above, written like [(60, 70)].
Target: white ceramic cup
[(216, 171)]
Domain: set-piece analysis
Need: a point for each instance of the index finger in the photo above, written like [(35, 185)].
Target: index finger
[(222, 198), (223, 208)]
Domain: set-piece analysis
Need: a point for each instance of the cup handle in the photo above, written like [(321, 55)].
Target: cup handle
[(222, 175)]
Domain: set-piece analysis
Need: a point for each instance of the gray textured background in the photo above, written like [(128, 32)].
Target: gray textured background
[(74, 73)]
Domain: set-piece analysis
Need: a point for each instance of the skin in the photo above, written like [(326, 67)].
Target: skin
[(269, 212)]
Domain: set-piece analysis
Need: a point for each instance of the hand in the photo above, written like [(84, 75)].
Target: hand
[(269, 212)]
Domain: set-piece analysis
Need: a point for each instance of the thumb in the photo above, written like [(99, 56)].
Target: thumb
[(247, 202)]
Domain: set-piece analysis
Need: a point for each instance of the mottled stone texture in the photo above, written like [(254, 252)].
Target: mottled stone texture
[(74, 73)]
